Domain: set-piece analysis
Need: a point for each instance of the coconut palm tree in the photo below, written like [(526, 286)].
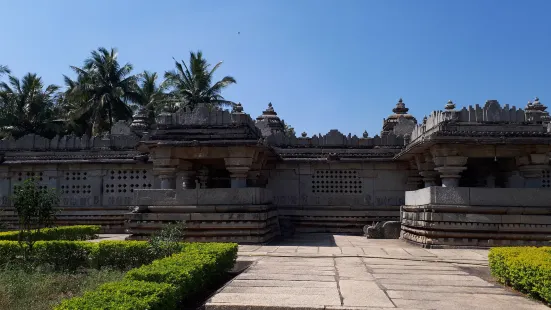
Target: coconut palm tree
[(26, 106), (103, 90), (151, 95), (193, 84), (4, 70)]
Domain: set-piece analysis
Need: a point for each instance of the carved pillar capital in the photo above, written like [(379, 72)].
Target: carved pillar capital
[(238, 168), (166, 176), (450, 168)]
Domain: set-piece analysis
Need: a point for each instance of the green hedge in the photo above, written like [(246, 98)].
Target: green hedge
[(131, 295), (78, 232), (70, 255), (163, 283), (527, 269)]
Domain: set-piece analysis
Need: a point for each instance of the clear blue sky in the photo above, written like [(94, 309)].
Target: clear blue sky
[(323, 64)]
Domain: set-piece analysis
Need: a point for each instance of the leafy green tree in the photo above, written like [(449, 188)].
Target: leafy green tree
[(103, 90), (27, 106), (288, 130), (192, 83), (151, 94), (35, 209)]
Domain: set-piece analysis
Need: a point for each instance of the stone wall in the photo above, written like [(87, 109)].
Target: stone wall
[(477, 217), (90, 193), (337, 197)]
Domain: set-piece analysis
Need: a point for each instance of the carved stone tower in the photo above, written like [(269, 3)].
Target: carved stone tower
[(399, 111)]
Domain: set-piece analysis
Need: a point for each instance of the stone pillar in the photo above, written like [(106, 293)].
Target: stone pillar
[(186, 175), (239, 169), (167, 177), (531, 168), (203, 176), (414, 180), (450, 168), (426, 169)]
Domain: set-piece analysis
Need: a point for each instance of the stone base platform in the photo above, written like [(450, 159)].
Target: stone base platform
[(243, 215), (334, 219), (111, 219), (439, 217), (229, 223)]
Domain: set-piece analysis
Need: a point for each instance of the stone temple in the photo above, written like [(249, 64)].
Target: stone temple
[(477, 176)]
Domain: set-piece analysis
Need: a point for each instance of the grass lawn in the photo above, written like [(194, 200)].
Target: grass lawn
[(37, 290)]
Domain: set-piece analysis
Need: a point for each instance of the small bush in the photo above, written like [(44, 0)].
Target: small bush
[(125, 295), (196, 267), (163, 283), (123, 254), (527, 269), (78, 232), (64, 255), (70, 255)]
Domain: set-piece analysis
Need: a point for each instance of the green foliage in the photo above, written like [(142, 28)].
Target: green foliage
[(102, 90), (527, 269), (190, 271), (123, 255), (27, 106), (42, 290), (168, 240), (127, 295), (35, 209), (77, 232), (164, 282), (192, 83)]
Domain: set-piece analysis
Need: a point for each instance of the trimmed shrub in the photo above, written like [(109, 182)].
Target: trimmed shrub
[(527, 269), (78, 232), (122, 254), (163, 283), (64, 255), (9, 250), (196, 267), (125, 295)]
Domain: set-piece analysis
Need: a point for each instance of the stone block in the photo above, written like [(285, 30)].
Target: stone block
[(511, 197), (449, 195)]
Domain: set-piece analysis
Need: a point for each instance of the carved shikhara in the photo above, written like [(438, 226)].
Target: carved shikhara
[(235, 178)]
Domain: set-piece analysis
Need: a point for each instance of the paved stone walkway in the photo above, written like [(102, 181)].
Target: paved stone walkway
[(351, 272)]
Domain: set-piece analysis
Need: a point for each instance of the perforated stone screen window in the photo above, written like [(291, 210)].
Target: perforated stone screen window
[(346, 182), (546, 179), (125, 181)]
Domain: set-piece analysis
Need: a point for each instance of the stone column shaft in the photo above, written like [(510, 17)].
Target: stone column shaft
[(239, 169)]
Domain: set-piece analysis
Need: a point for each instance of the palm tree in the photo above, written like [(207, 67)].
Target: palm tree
[(193, 84), (103, 90), (4, 70), (26, 106), (151, 97)]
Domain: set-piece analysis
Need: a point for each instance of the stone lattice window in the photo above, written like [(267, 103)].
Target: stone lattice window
[(19, 177), (75, 182), (337, 182), (546, 178), (125, 181)]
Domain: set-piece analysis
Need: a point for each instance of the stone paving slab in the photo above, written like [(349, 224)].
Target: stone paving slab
[(335, 272)]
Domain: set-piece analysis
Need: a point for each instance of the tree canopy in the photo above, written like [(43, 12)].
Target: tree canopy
[(102, 91)]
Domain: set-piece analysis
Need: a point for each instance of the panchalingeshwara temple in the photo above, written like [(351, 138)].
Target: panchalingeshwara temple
[(476, 176)]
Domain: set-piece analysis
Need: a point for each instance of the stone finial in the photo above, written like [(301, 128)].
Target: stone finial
[(140, 121), (537, 105), (304, 134), (400, 107), (365, 134), (425, 120), (450, 105), (238, 108)]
